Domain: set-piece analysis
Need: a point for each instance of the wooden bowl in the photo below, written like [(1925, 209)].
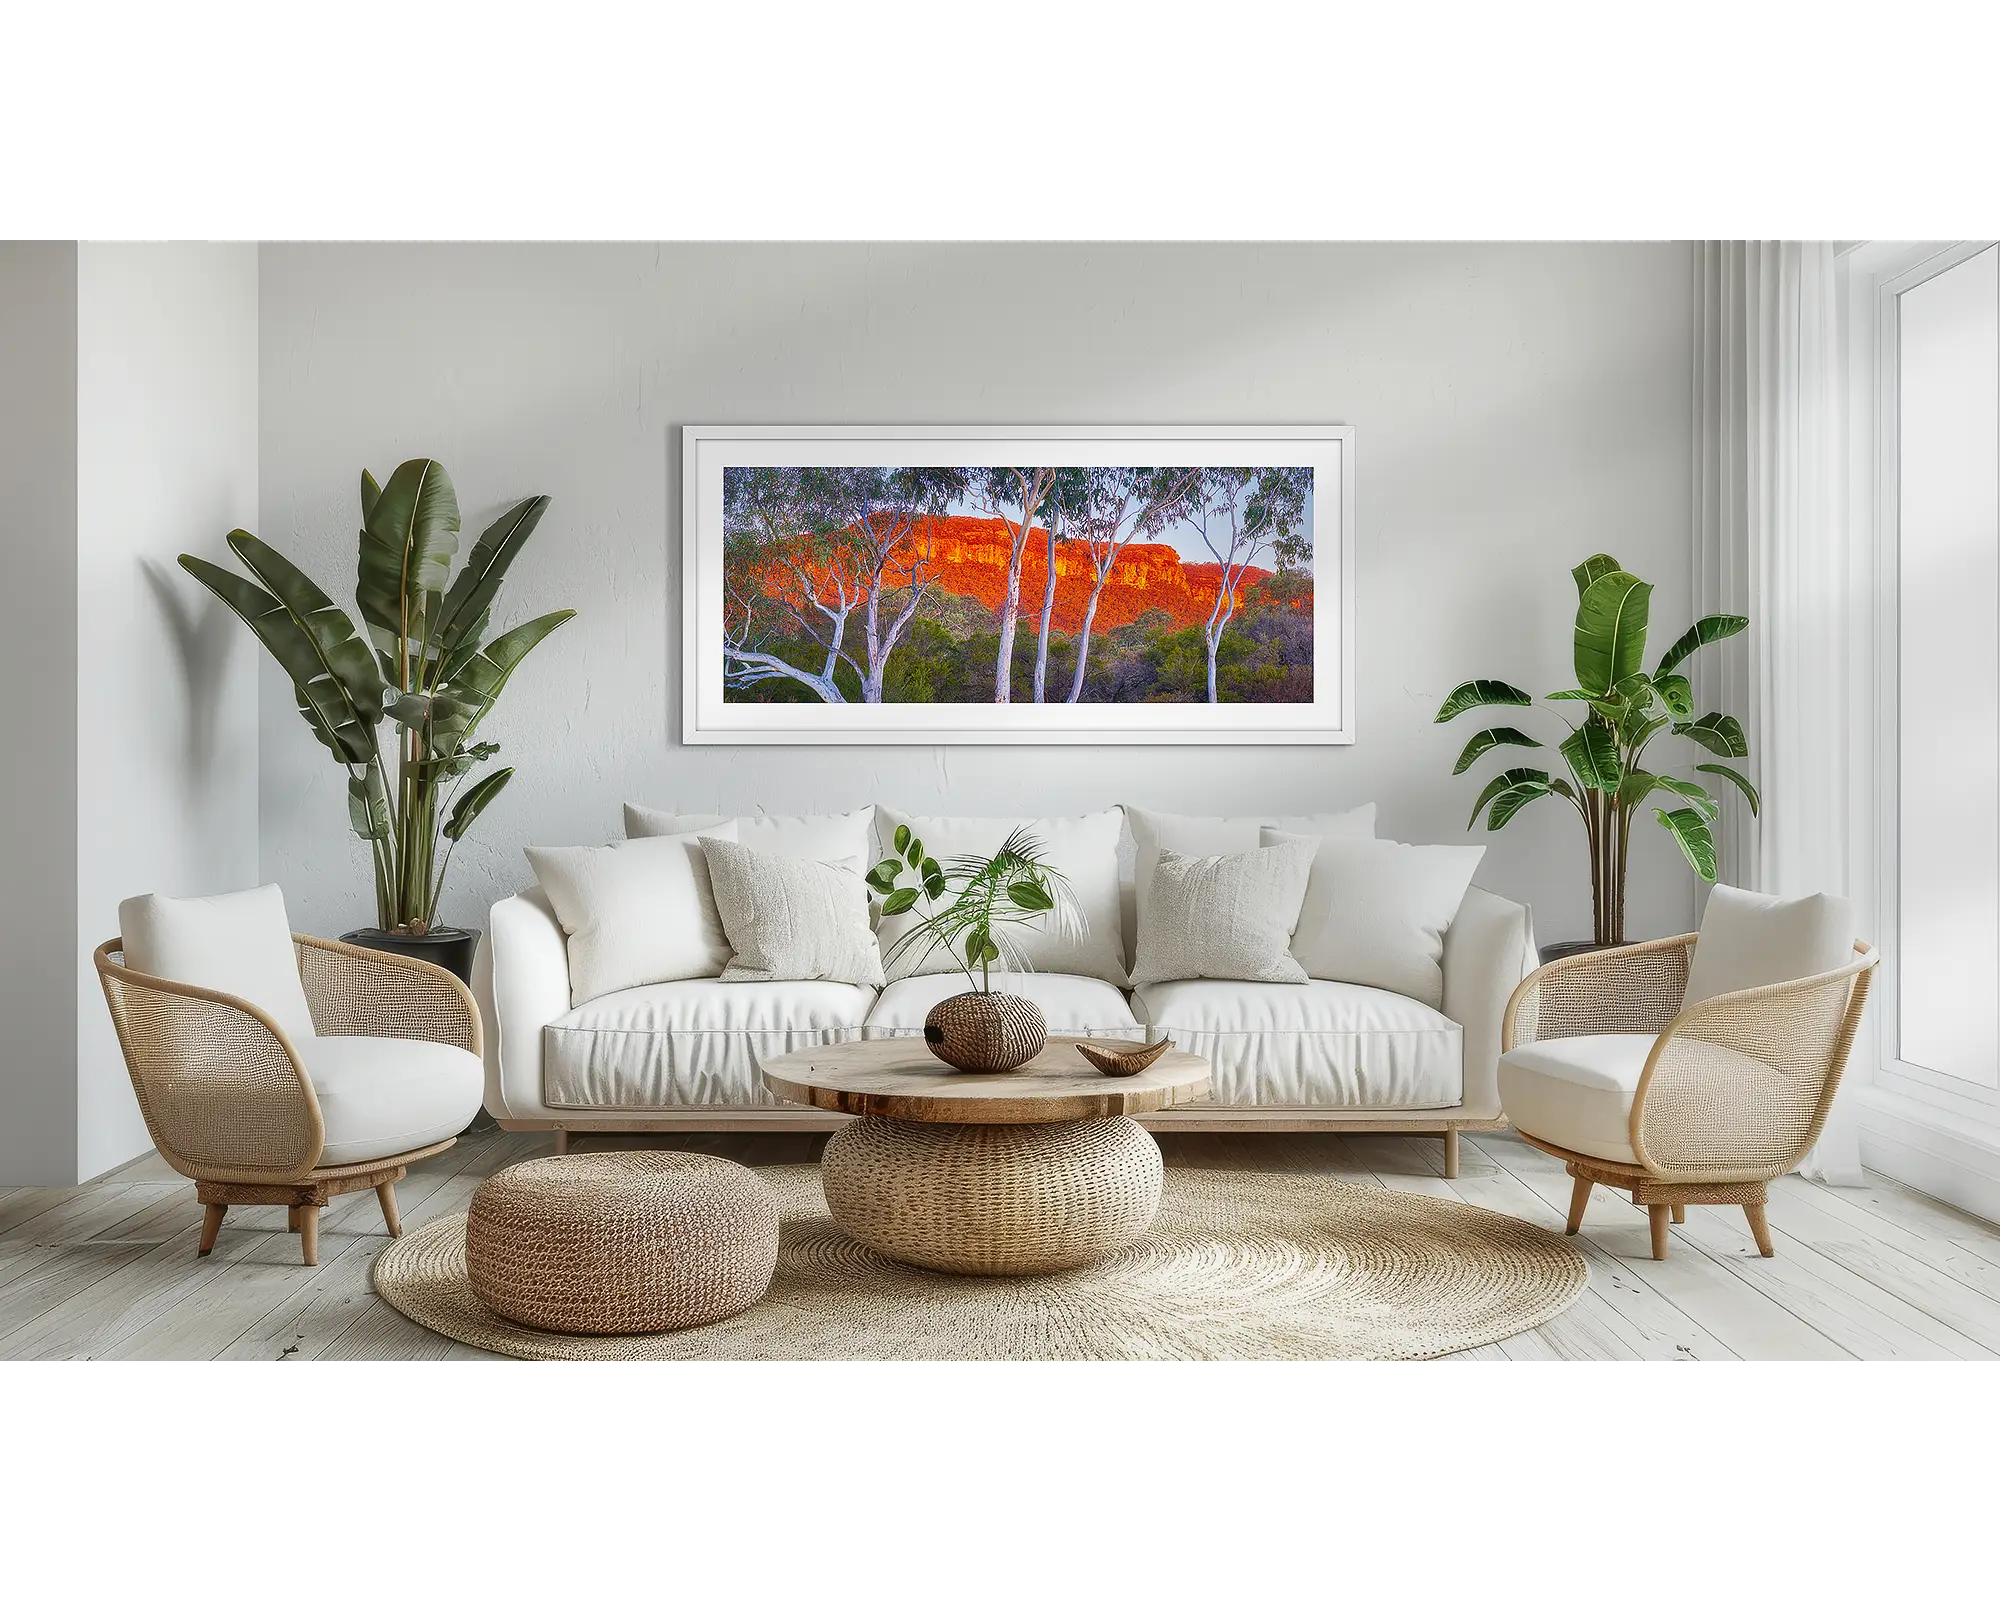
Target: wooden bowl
[(1123, 1063)]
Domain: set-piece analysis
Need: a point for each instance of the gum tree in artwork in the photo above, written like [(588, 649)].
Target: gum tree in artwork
[(1014, 495), (1107, 510), (1241, 514)]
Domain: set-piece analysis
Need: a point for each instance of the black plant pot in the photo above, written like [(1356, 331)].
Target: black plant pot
[(450, 948)]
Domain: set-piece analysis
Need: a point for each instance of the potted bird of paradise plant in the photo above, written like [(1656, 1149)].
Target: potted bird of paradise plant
[(400, 717), (1610, 719)]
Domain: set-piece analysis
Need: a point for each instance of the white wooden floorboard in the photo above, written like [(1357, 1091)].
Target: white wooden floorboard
[(109, 1270)]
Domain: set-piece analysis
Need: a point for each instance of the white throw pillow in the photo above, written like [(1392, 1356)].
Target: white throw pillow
[(1748, 940), (1154, 831), (238, 943), (1375, 911), (638, 912), (834, 837), (791, 920), (1084, 849), (1224, 916)]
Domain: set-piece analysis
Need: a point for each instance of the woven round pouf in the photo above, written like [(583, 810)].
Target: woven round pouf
[(996, 1199), (642, 1241)]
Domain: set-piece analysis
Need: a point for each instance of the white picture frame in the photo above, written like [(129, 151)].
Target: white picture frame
[(708, 717)]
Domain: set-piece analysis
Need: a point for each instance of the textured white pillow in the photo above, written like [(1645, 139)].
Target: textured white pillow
[(1154, 831), (1375, 911), (635, 913), (1084, 849), (791, 920), (1748, 940), (1224, 916), (238, 943), (834, 837)]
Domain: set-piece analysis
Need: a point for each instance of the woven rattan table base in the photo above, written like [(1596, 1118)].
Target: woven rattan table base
[(1032, 1197), (1237, 1266)]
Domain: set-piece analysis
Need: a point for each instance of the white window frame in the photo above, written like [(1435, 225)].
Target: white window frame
[(1893, 269)]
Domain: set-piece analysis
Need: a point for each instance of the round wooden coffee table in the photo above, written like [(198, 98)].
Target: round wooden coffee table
[(1035, 1170)]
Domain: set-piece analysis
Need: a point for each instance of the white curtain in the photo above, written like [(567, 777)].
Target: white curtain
[(1771, 543)]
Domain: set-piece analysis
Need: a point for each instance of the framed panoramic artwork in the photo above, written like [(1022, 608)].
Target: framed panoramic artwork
[(1187, 585)]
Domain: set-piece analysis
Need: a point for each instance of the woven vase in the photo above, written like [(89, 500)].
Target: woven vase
[(985, 1032)]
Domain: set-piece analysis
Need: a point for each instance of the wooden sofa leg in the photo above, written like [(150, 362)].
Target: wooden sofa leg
[(1760, 1230), (1579, 1201), (1451, 1152), (1657, 1217), (562, 1141), (211, 1225)]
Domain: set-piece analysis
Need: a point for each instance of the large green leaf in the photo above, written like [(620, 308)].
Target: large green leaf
[(1749, 789), (1611, 630), (371, 491), (469, 601), (1030, 896), (1690, 831), (1676, 694), (475, 800), (1591, 571), (1717, 731), (1706, 631), (1592, 754), (1481, 692), (368, 803), (339, 687), (477, 684), (408, 539), (1514, 777), (1513, 800), (1491, 739), (1635, 786), (1704, 802)]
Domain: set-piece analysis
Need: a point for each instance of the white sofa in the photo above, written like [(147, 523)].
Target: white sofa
[(685, 1056)]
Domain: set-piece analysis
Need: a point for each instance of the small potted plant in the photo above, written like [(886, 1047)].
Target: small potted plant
[(422, 690), (973, 907), (1610, 720)]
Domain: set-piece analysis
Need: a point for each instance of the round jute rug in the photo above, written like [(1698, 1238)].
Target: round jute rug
[(1238, 1266)]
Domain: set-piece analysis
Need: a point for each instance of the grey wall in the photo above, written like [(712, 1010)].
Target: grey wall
[(37, 648), (166, 443), (1517, 407)]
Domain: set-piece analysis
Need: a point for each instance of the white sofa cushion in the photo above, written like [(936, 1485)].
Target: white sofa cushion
[(1084, 849), (240, 944), (792, 920), (1318, 1045), (1070, 1004), (1748, 940), (838, 836), (1154, 831), (634, 913), (381, 1097), (1224, 916), (1376, 912), (693, 1043), (1577, 1092)]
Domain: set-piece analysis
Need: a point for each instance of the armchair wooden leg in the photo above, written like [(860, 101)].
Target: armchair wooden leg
[(1579, 1201), (309, 1233), (291, 1219), (1680, 1213), (1657, 1217), (562, 1141), (1451, 1152), (211, 1225), (386, 1193), (1760, 1230)]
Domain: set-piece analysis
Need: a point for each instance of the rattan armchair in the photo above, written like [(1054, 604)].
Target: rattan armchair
[(227, 1098), (1733, 1091)]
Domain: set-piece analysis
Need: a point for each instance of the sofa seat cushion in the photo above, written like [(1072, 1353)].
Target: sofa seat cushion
[(1577, 1092), (1316, 1044), (698, 1042), (381, 1097), (1071, 1004)]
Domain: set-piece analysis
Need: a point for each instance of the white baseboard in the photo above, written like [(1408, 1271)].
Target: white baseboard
[(1947, 1157)]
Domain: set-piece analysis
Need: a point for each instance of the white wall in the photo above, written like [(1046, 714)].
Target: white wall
[(166, 444), (1518, 407), (38, 488)]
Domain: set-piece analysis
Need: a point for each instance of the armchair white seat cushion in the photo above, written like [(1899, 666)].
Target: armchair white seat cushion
[(381, 1096), (1577, 1092), (698, 1042), (1309, 1044), (1070, 1003)]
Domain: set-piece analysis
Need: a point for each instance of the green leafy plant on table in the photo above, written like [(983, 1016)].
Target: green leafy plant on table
[(1611, 717), (973, 906)]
